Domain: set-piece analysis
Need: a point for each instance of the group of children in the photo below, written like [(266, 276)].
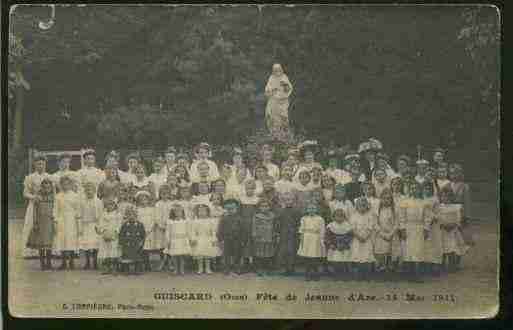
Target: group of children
[(356, 221)]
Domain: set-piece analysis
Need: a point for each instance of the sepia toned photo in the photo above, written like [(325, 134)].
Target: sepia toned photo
[(253, 161)]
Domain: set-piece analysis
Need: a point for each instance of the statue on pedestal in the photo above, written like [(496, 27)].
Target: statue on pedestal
[(277, 91)]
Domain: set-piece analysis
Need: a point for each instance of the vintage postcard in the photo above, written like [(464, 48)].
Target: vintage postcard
[(253, 161)]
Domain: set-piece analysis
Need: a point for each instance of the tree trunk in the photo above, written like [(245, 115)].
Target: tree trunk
[(18, 118)]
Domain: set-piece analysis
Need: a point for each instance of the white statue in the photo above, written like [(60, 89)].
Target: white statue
[(277, 90)]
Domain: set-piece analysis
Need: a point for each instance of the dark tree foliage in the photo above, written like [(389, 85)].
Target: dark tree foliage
[(141, 75)]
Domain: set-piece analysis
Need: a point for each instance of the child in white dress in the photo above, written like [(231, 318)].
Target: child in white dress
[(362, 246), (451, 216), (433, 254), (414, 230), (163, 207), (185, 200), (67, 215), (91, 208), (386, 231), (203, 239), (312, 230), (339, 234), (177, 238), (217, 212), (147, 215), (108, 230)]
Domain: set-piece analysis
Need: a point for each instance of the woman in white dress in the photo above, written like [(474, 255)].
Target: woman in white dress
[(278, 91), (64, 161), (158, 177), (90, 173), (31, 187), (203, 153)]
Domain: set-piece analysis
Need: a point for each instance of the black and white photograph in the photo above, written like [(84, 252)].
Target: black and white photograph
[(253, 161)]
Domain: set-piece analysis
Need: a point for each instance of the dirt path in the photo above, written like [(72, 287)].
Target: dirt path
[(33, 293)]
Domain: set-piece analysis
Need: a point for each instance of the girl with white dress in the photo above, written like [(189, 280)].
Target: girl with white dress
[(147, 215), (339, 234), (433, 254), (108, 229), (202, 235), (414, 228), (31, 188), (363, 221), (386, 231), (92, 208), (67, 216), (451, 216), (163, 207), (312, 231), (177, 238)]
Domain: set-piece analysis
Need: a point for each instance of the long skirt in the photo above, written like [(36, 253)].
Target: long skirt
[(27, 228)]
